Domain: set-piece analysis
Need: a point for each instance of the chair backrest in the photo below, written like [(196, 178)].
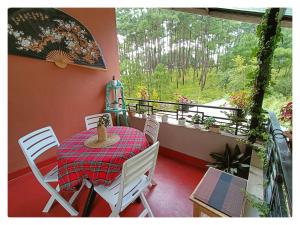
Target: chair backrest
[(36, 143), (92, 120), (151, 128), (141, 164)]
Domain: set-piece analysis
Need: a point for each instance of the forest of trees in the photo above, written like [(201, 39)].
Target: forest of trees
[(171, 53)]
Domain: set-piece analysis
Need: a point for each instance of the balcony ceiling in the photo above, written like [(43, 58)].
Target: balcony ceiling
[(250, 15)]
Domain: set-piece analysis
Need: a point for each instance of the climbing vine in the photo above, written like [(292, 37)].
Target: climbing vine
[(269, 33)]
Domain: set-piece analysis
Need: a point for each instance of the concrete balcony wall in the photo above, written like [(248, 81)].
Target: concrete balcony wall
[(190, 141)]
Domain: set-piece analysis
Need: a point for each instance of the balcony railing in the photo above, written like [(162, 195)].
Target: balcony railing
[(176, 110), (278, 171)]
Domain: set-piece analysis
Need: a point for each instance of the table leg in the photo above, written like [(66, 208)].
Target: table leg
[(89, 202), (196, 210)]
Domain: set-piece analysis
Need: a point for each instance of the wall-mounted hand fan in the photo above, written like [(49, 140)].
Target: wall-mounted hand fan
[(52, 35)]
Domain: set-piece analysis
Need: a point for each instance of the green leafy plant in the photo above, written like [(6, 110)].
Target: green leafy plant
[(209, 122), (269, 33), (260, 149), (196, 119), (230, 162), (262, 207)]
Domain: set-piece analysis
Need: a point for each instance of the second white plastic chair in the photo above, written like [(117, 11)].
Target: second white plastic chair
[(151, 129), (92, 120)]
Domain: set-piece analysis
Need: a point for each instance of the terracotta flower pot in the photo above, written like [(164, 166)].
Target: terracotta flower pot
[(215, 129)]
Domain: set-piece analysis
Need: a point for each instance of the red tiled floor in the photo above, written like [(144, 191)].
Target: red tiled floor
[(170, 198)]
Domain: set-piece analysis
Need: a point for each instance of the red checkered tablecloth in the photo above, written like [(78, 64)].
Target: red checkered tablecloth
[(99, 165)]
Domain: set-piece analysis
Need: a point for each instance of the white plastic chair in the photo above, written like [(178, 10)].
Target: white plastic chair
[(131, 184), (35, 144), (151, 129), (92, 120)]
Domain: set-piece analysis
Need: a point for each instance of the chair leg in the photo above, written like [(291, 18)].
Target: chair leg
[(146, 205), (52, 198), (56, 196), (114, 213), (74, 196), (87, 184), (50, 201)]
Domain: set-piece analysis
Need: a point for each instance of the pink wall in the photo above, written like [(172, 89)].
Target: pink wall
[(41, 94)]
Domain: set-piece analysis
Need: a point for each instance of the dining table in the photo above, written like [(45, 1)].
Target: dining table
[(100, 166)]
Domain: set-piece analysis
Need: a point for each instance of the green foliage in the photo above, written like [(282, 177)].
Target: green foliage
[(196, 119), (230, 162), (145, 38), (242, 100), (209, 122), (262, 207), (269, 33), (141, 92), (262, 154), (155, 96)]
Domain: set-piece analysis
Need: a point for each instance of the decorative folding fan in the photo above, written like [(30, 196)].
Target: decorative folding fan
[(52, 35)]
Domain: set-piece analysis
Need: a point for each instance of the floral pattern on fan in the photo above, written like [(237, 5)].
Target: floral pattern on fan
[(52, 37)]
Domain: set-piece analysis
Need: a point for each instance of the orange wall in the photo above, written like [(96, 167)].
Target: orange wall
[(41, 94)]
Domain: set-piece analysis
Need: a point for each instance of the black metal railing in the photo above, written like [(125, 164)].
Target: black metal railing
[(177, 110), (278, 171)]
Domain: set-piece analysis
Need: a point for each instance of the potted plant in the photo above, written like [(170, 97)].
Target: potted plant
[(209, 123), (184, 101), (231, 162), (181, 121), (196, 120)]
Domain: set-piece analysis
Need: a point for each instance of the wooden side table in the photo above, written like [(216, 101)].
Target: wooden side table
[(219, 194), (200, 207)]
